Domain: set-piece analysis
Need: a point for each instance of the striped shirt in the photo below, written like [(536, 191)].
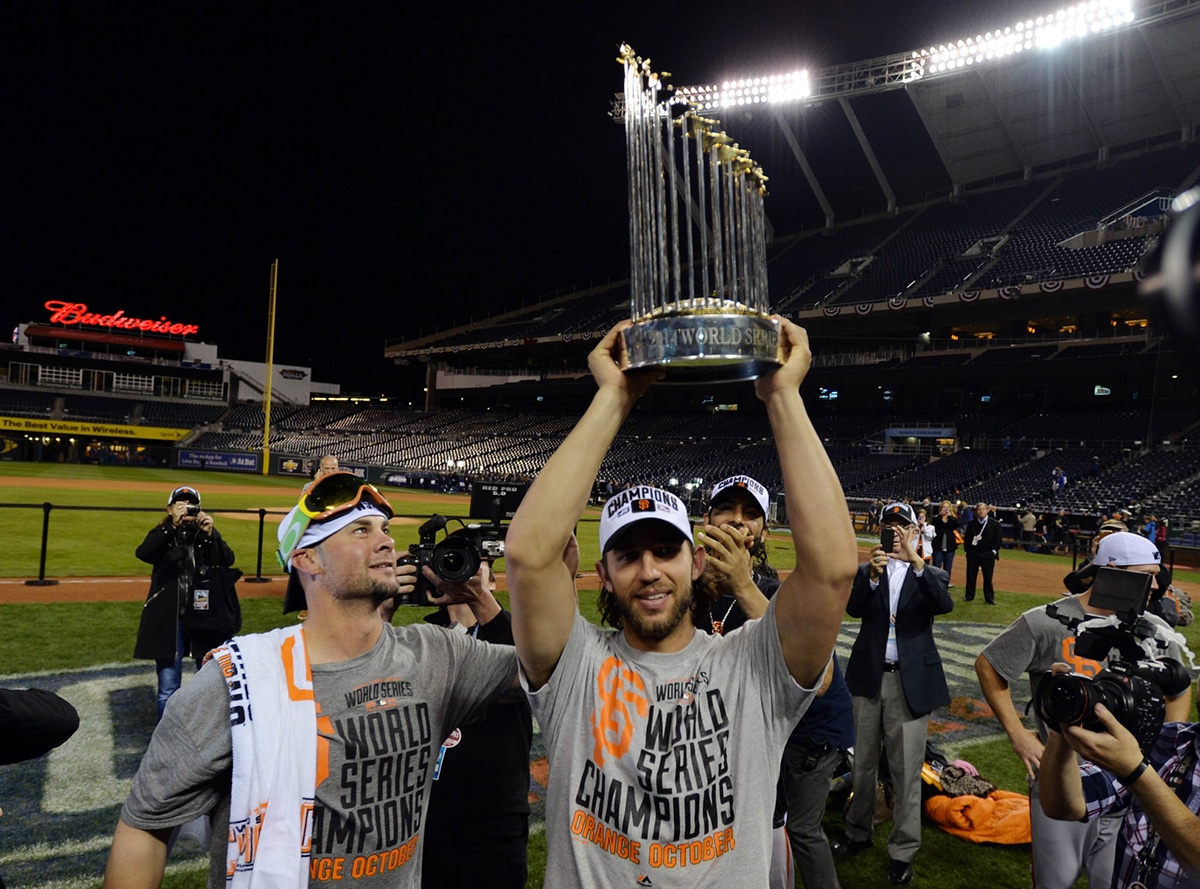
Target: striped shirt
[(1104, 793)]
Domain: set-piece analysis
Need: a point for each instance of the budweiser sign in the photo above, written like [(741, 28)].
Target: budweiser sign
[(77, 313)]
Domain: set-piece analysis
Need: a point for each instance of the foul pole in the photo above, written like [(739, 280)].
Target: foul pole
[(266, 446)]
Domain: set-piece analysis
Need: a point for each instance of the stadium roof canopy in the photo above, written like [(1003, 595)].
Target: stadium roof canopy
[(980, 109), (862, 140)]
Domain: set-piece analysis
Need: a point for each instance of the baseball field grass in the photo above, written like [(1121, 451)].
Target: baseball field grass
[(59, 811)]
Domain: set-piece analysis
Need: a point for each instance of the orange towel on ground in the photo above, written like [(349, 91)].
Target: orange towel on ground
[(1001, 817)]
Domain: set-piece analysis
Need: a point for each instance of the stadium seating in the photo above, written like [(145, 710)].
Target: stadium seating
[(97, 407), (180, 416), (23, 403)]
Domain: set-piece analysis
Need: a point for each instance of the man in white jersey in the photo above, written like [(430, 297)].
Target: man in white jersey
[(664, 743)]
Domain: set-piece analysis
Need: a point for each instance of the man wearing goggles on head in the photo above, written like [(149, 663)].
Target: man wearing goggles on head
[(313, 746)]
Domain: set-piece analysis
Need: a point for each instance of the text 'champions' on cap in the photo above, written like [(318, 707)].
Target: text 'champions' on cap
[(639, 504)]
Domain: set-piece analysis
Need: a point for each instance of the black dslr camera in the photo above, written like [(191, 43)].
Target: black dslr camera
[(1134, 687), (455, 558)]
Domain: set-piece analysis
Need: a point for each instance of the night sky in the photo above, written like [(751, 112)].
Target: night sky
[(410, 165)]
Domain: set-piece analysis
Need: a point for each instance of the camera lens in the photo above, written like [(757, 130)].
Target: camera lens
[(455, 560), (1063, 700), (1113, 695)]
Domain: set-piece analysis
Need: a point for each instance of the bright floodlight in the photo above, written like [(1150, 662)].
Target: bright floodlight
[(748, 91), (1042, 32)]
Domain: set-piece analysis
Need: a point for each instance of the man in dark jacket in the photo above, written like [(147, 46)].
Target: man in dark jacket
[(981, 541), (895, 679), (187, 553)]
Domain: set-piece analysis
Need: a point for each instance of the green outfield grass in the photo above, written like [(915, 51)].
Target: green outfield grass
[(61, 636), (101, 542)]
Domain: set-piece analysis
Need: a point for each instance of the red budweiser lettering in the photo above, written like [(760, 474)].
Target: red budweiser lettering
[(77, 313)]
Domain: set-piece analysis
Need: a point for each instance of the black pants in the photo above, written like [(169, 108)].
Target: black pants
[(974, 564), (498, 862)]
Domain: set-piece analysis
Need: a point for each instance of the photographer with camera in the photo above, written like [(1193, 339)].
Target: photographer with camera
[(1151, 779), (1031, 645), (477, 820), (189, 558), (896, 680), (1159, 840)]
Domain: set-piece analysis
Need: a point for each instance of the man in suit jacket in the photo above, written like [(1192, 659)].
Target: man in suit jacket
[(895, 679), (982, 544)]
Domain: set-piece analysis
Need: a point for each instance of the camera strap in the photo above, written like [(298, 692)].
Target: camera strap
[(1150, 856)]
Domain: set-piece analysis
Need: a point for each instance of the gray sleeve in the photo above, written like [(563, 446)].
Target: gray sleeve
[(483, 671), (757, 645), (1012, 652), (185, 770), (564, 681)]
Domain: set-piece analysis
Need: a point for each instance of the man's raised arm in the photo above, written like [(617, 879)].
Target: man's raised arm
[(812, 600), (541, 588)]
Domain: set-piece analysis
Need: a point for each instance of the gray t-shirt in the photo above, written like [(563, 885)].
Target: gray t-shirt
[(370, 805), (1035, 641), (663, 766)]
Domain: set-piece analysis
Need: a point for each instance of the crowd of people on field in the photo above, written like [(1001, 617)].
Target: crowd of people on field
[(702, 726)]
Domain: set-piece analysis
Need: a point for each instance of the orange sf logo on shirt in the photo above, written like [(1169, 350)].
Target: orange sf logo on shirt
[(618, 690), (1081, 665)]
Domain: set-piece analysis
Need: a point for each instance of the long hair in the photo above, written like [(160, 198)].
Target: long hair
[(701, 610), (758, 552)]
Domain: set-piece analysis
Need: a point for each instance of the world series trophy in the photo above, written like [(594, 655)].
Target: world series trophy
[(697, 241)]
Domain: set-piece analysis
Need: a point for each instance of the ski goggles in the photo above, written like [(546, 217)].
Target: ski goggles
[(331, 500), (338, 492)]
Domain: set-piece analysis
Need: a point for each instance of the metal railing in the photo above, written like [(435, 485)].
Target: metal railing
[(47, 508)]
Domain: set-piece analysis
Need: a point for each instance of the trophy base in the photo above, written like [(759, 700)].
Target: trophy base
[(711, 348)]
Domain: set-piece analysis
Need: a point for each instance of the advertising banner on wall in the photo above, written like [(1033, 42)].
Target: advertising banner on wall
[(107, 430), (290, 464), (287, 465), (191, 459)]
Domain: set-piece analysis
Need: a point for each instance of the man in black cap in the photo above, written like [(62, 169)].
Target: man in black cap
[(895, 678), (188, 555)]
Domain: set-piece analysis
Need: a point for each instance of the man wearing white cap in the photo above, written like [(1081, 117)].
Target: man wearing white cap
[(734, 539), (313, 746), (1154, 792), (664, 742), (1031, 645), (896, 680), (741, 582)]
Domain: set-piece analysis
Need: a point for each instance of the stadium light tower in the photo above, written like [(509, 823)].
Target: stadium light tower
[(773, 88), (1042, 32)]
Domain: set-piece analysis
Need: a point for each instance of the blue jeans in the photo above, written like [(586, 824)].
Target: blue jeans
[(170, 672), (943, 560)]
